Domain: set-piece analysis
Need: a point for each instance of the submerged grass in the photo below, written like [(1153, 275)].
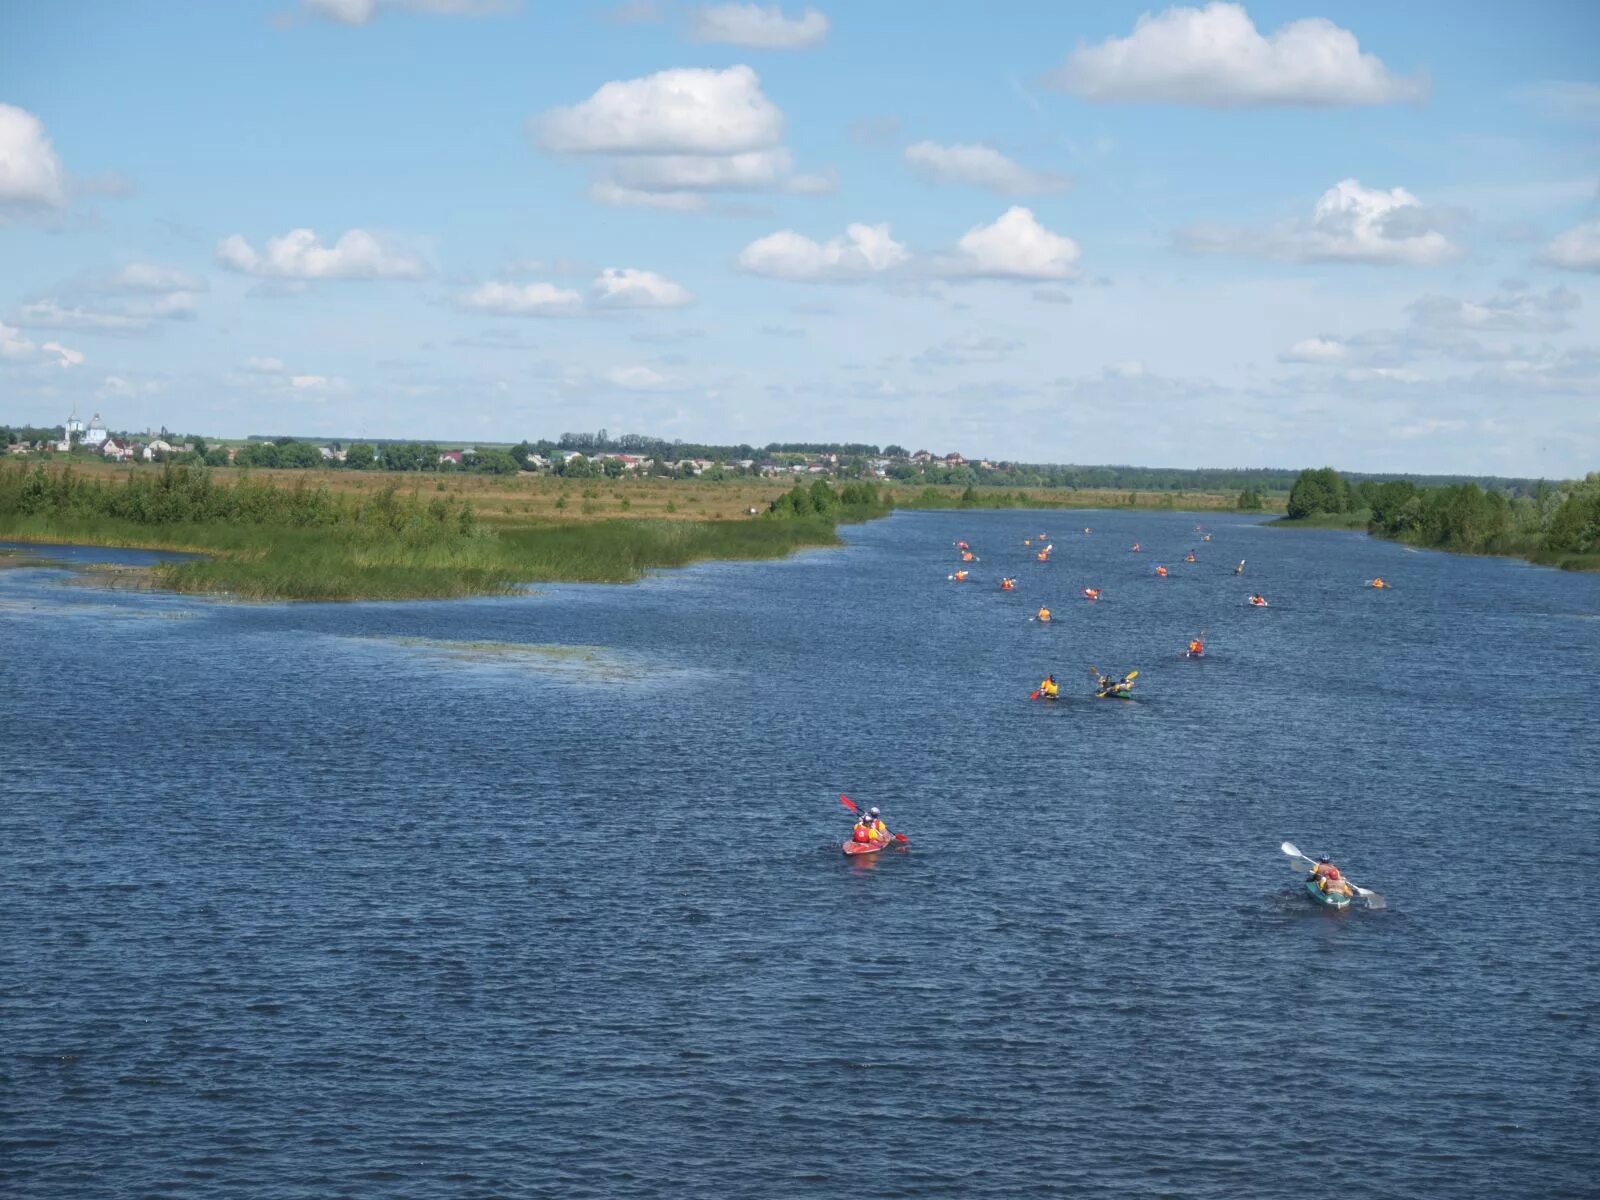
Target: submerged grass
[(275, 563)]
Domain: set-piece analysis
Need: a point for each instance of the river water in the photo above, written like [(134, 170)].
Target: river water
[(542, 895)]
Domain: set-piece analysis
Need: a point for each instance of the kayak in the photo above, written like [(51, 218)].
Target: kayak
[(1327, 899), (866, 847), (1115, 694)]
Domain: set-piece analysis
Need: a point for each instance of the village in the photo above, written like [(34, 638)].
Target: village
[(78, 438)]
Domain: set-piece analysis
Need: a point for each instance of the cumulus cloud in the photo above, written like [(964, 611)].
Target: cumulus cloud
[(863, 251), (521, 300), (52, 314), (626, 287), (665, 140), (360, 12), (686, 110), (761, 28), (982, 166), (17, 347), (1215, 56), (30, 173), (752, 170), (299, 254), (1015, 246), (1578, 249), (1350, 223)]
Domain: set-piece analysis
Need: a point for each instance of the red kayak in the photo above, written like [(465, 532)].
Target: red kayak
[(867, 847)]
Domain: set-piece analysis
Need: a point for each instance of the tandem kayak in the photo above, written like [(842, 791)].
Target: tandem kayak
[(867, 847), (1328, 899)]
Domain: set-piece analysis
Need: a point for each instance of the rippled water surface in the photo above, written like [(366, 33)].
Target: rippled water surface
[(542, 896)]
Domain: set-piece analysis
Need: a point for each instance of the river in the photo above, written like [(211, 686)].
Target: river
[(542, 895)]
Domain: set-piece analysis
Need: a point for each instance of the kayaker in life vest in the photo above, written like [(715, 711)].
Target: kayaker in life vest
[(1050, 689), (1161, 572), (880, 831), (861, 831), (1044, 614), (1196, 647), (1378, 583), (1328, 878)]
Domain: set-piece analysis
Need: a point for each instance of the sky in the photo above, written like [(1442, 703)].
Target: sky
[(1364, 235)]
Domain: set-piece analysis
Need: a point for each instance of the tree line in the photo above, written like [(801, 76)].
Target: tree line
[(1543, 521)]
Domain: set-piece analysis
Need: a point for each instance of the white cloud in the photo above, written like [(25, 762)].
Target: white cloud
[(18, 348), (51, 314), (1511, 310), (521, 300), (1214, 56), (360, 12), (299, 254), (686, 110), (116, 387), (1578, 249), (151, 277), (636, 379), (863, 251), (1316, 350), (750, 171), (603, 191), (1016, 246), (758, 27), (121, 316), (30, 172), (310, 383), (626, 287), (1350, 223), (264, 366), (982, 166)]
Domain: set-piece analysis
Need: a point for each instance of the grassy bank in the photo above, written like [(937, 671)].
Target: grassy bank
[(1349, 520), (938, 497), (264, 540)]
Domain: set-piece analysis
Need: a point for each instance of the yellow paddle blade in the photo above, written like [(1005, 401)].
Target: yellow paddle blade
[(1133, 675)]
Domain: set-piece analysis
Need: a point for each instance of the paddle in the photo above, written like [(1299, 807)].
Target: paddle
[(849, 803), (1373, 899), (1033, 695)]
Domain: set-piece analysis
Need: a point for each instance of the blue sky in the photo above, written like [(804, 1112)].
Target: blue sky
[(1270, 234)]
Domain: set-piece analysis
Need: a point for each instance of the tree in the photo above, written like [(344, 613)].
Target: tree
[(893, 451), (299, 454), (1318, 491), (359, 457), (216, 457), (1249, 501), (495, 462)]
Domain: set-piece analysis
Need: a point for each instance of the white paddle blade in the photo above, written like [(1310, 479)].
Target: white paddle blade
[(1291, 850), (1372, 898)]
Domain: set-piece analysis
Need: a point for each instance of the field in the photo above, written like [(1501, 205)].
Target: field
[(345, 535)]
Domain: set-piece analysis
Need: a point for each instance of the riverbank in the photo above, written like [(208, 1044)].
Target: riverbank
[(1506, 546), (262, 540)]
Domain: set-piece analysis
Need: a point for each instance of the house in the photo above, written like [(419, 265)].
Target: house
[(330, 455), (922, 456), (113, 449), (954, 460), (18, 448), (451, 456), (538, 461)]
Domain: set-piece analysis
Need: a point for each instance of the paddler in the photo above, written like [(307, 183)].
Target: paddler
[(1109, 686), (862, 830), (1196, 647), (1328, 878), (1378, 583), (1161, 572), (1044, 613), (1189, 557), (1239, 570), (1007, 584), (880, 831), (1050, 689)]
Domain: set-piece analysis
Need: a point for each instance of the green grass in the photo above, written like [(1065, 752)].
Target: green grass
[(1350, 520), (271, 563)]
